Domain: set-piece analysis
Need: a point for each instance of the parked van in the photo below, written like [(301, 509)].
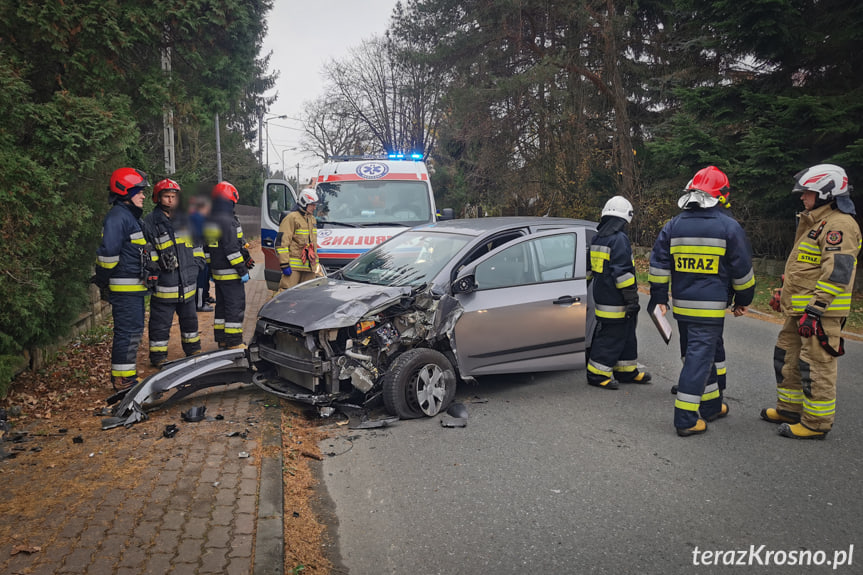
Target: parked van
[(362, 201)]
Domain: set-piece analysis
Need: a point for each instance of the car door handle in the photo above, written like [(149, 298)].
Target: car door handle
[(567, 299)]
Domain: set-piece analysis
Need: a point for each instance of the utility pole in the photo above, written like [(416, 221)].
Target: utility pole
[(298, 177), (218, 151), (168, 114)]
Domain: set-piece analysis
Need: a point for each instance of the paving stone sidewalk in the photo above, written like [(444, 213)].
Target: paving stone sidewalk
[(208, 500)]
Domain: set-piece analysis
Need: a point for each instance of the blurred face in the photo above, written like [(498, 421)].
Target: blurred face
[(168, 200), (809, 200), (138, 200)]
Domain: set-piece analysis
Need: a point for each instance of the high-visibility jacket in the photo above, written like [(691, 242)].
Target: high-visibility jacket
[(120, 257), (704, 255), (297, 241), (613, 271), (224, 243), (821, 268), (179, 284)]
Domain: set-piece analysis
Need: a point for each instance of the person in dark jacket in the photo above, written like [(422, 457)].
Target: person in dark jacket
[(179, 261), (199, 210), (227, 258), (121, 269), (614, 350), (704, 255)]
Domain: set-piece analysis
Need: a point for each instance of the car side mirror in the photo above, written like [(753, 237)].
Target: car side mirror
[(466, 284), (446, 214)]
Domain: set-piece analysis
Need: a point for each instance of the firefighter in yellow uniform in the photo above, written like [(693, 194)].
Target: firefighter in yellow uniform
[(816, 300), (297, 242)]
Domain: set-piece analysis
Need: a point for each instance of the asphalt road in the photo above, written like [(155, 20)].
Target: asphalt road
[(552, 476)]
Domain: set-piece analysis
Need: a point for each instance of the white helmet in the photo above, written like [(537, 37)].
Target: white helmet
[(827, 180), (618, 206), (307, 196)]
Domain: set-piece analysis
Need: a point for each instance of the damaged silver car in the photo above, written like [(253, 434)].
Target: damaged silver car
[(434, 305)]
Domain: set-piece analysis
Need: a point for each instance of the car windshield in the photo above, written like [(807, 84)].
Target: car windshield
[(409, 259), (373, 203)]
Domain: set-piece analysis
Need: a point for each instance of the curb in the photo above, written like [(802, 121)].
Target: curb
[(269, 538)]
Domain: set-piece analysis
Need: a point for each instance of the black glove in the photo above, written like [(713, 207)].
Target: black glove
[(102, 284), (810, 323), (630, 301)]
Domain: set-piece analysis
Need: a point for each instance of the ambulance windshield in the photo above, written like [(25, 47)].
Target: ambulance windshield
[(373, 203)]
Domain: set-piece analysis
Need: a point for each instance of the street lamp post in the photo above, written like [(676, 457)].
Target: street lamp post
[(265, 122)]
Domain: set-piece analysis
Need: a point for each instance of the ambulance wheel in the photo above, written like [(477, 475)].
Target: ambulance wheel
[(420, 382)]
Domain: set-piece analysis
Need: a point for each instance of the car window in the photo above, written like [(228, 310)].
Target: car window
[(545, 259)]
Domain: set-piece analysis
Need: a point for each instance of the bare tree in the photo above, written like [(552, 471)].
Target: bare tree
[(333, 129)]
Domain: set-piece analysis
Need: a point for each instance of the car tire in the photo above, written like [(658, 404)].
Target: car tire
[(420, 382)]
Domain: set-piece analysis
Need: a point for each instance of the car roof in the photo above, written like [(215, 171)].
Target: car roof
[(481, 226)]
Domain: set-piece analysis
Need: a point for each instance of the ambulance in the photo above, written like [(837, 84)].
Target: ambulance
[(362, 202)]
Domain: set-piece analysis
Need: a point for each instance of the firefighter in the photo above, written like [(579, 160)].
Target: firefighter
[(704, 255), (199, 210), (122, 269), (224, 237), (614, 351), (179, 261), (296, 243), (816, 301)]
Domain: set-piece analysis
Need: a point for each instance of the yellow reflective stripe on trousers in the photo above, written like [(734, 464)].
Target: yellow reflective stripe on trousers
[(794, 396), (219, 324), (710, 392), (819, 408), (598, 368), (190, 337), (625, 366), (720, 368), (123, 369), (687, 402), (158, 346), (233, 327), (228, 274)]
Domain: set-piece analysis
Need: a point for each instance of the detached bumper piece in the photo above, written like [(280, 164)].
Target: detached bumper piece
[(183, 377)]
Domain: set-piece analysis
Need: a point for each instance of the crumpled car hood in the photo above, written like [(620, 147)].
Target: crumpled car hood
[(327, 303)]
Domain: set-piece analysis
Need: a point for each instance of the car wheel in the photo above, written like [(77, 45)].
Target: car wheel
[(420, 382)]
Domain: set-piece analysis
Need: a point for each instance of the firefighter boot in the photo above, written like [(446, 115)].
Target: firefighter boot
[(238, 346), (779, 416), (642, 377), (607, 383), (800, 431), (124, 383), (723, 412), (697, 429)]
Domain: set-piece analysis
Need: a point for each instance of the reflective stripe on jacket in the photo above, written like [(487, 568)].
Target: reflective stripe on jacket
[(612, 270), (224, 243), (704, 256), (119, 263), (296, 231), (159, 231), (821, 268)]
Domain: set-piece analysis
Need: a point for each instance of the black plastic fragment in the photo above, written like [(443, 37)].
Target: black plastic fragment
[(194, 414), (77, 439), (170, 430)]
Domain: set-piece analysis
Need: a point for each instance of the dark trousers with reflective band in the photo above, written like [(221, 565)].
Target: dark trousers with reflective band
[(717, 376), (161, 318), (230, 310), (613, 351), (806, 374), (128, 313), (695, 391), (203, 285)]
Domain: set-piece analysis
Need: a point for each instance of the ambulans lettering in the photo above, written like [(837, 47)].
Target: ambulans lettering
[(700, 264)]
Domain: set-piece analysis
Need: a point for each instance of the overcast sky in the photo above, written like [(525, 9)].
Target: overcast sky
[(303, 35)]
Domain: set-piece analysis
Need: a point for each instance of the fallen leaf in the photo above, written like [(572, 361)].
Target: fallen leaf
[(28, 549)]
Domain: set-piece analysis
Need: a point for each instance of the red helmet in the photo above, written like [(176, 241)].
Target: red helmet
[(226, 191), (165, 185), (711, 180), (126, 182)]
